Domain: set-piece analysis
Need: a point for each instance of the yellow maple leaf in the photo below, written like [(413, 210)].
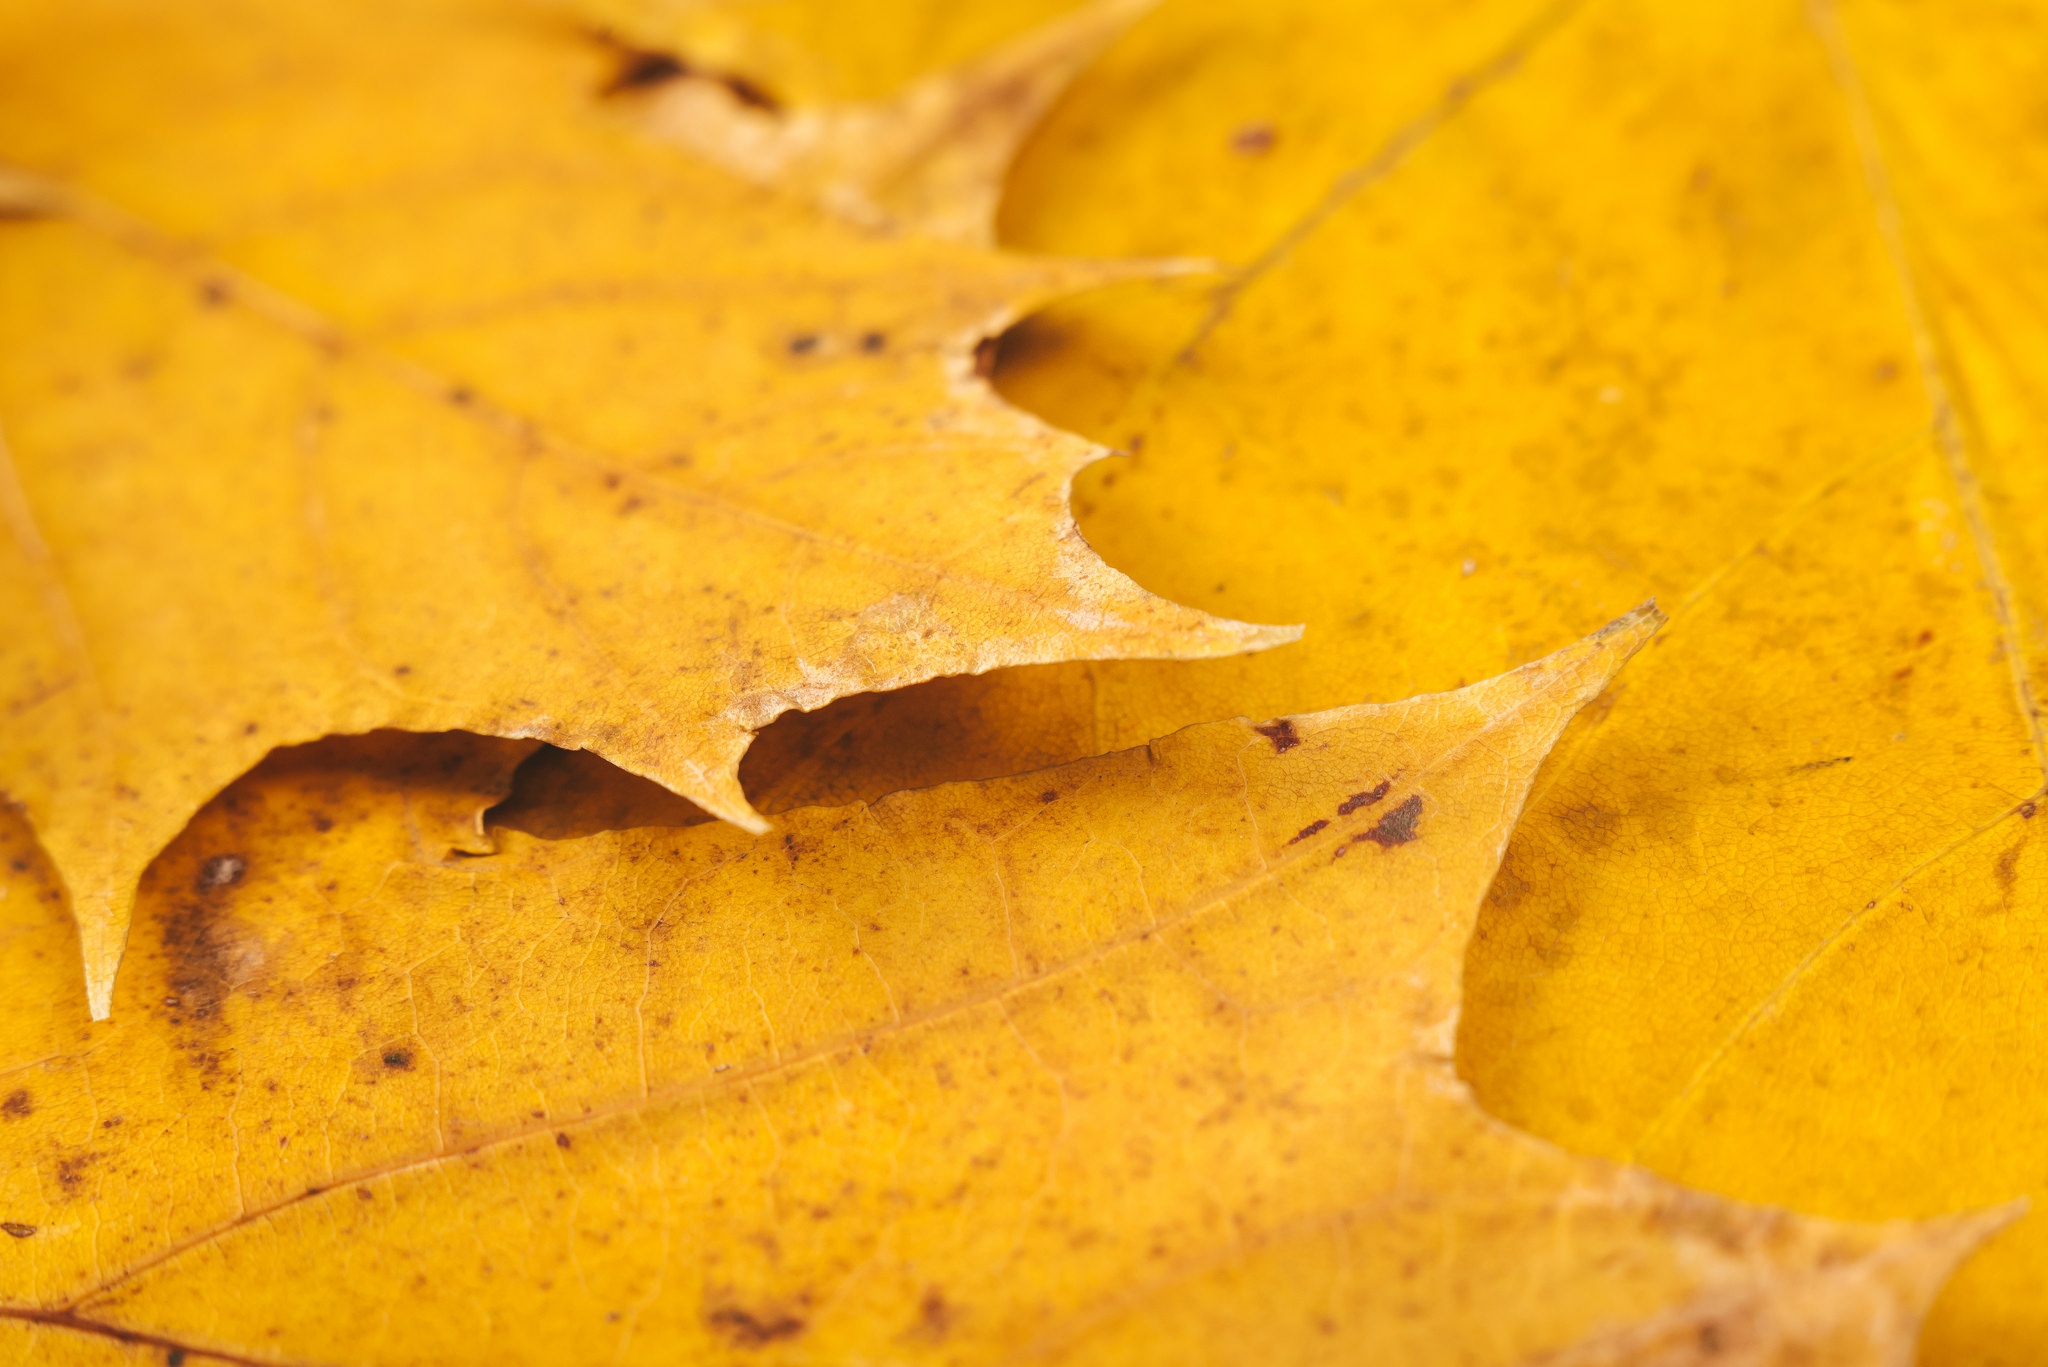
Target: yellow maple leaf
[(366, 367), (1140, 1059), (1736, 304)]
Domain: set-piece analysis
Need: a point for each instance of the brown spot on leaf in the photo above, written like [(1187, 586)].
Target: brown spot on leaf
[(2006, 869), (934, 1316), (1254, 139), (1395, 828), (17, 1229), (1398, 826), (398, 1058), (1049, 795), (71, 1171), (213, 294), (752, 1329), (18, 1104), (562, 1140), (1281, 733), (2027, 810), (1306, 831), (1364, 799)]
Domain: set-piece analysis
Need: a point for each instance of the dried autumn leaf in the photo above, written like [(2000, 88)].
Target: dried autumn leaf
[(1739, 305), (1143, 1058), (363, 367)]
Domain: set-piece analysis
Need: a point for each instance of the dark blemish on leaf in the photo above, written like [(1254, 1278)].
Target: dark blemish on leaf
[(1821, 764), (642, 69), (1254, 139), (322, 822), (223, 870), (249, 728), (2027, 810), (175, 1358), (18, 1104), (314, 1191), (934, 1316), (748, 1330), (803, 344), (111, 1122), (632, 504), (1710, 1339), (1398, 826), (398, 1058), (1395, 828), (213, 293), (1049, 795), (2006, 869), (401, 670), (1364, 799), (1281, 733), (462, 396), (562, 1140), (1306, 831), (365, 1194), (71, 1171), (1924, 637), (17, 1229), (872, 342)]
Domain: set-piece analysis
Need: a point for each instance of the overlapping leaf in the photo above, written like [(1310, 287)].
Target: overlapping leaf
[(368, 367), (1143, 1058), (1736, 304)]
